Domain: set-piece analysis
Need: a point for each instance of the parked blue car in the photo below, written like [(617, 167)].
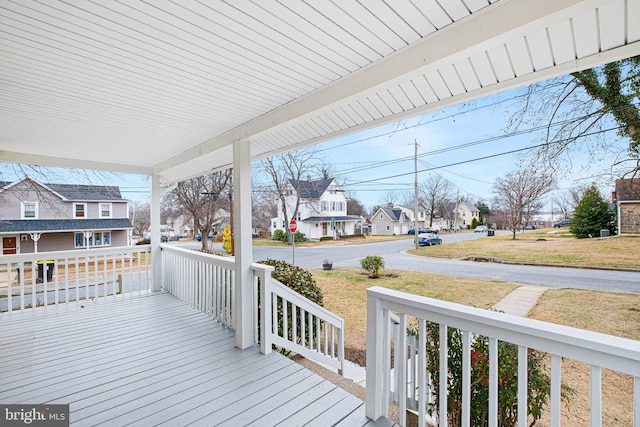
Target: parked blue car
[(428, 239)]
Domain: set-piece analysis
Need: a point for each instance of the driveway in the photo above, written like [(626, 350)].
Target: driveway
[(396, 258)]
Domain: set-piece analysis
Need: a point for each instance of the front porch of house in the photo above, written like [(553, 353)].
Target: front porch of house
[(96, 334), (151, 359)]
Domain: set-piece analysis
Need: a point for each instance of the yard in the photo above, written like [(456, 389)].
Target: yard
[(605, 312), (546, 246)]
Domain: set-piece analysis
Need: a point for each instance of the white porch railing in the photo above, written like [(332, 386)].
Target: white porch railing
[(598, 350), (313, 332), (49, 278), (207, 283)]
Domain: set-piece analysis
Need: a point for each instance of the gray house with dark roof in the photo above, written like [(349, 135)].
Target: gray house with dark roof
[(390, 221), (37, 217)]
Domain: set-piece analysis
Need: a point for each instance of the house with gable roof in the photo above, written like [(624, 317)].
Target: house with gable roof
[(390, 221), (627, 200), (322, 211), (38, 217), (460, 214)]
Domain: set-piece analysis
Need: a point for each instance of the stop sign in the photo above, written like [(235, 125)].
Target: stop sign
[(293, 226)]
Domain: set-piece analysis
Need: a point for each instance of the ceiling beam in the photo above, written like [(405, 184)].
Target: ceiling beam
[(51, 161)]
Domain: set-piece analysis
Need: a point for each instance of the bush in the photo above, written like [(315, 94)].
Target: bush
[(373, 264), (296, 278), (303, 283), (279, 235), (298, 237), (537, 377), (592, 215)]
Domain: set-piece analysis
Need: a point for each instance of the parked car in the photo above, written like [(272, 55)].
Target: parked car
[(428, 239), (423, 230), (420, 230), (450, 228), (481, 229), (562, 223)]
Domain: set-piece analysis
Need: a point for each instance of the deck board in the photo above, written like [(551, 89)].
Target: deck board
[(152, 360)]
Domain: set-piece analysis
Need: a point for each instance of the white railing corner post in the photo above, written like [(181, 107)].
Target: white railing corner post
[(265, 309), (375, 398)]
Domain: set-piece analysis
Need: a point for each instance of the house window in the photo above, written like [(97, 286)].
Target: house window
[(340, 206), (333, 206), (105, 210), (324, 206), (98, 238), (380, 216), (79, 210), (29, 210)]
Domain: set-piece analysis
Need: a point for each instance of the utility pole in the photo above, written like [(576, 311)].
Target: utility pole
[(415, 191)]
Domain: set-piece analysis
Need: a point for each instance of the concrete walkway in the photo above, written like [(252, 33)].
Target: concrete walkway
[(520, 301)]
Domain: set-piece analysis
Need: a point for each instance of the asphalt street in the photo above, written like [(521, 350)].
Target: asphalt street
[(396, 258)]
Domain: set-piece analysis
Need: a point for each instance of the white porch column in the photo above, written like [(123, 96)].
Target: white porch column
[(156, 261), (242, 237)]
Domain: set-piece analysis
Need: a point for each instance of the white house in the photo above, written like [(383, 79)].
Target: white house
[(322, 211)]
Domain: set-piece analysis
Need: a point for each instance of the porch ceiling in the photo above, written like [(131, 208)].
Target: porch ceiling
[(166, 87)]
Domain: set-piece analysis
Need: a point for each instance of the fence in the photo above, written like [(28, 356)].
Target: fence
[(50, 278), (412, 387)]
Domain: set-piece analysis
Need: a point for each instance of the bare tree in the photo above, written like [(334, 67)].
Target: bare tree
[(434, 195), (579, 111), (567, 200), (292, 166), (140, 215), (518, 194), (389, 198), (202, 197)]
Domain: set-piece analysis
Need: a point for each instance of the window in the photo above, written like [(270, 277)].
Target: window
[(98, 238), (29, 210), (324, 206), (105, 210), (340, 206), (333, 206), (79, 210)]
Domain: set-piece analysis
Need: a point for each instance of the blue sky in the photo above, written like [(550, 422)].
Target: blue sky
[(369, 162)]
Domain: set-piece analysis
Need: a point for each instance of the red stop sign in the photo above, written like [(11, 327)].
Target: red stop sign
[(293, 226)]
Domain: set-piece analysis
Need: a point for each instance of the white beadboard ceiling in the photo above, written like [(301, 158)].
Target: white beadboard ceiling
[(165, 87)]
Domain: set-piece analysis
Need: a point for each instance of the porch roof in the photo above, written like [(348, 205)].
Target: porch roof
[(165, 88), (58, 225)]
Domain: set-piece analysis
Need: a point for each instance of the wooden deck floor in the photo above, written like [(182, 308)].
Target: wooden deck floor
[(152, 360)]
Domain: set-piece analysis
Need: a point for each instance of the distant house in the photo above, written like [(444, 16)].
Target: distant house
[(390, 221), (460, 214), (627, 200), (322, 211), (421, 214), (36, 217)]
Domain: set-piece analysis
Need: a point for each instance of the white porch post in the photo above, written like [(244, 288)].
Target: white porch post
[(156, 261), (242, 237)]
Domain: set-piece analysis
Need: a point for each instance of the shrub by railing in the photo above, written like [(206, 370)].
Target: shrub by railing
[(413, 383), (296, 323), (49, 278)]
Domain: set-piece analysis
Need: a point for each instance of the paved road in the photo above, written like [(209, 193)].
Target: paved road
[(395, 258)]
